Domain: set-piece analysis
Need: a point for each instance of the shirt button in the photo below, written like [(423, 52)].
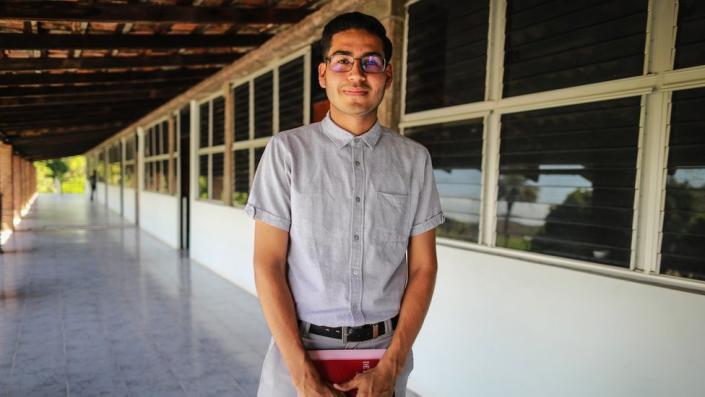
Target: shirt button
[(357, 199), (356, 237), (357, 163), (355, 272)]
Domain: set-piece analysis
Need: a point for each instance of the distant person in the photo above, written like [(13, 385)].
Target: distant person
[(93, 179)]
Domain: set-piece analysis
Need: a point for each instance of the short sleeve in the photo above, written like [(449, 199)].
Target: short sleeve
[(428, 210), (269, 199)]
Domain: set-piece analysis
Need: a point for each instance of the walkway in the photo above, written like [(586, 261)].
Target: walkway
[(92, 306)]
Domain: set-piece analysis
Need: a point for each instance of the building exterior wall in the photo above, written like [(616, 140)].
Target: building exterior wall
[(6, 186), (114, 200), (129, 209), (501, 322), (158, 214)]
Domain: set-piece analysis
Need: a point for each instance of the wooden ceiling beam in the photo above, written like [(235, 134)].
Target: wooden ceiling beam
[(101, 78), (38, 132), (124, 13), (105, 97), (103, 41), (33, 64), (68, 111), (53, 139), (126, 88)]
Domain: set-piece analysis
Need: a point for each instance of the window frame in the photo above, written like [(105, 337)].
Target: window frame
[(654, 87), (252, 143), (209, 150), (158, 158)]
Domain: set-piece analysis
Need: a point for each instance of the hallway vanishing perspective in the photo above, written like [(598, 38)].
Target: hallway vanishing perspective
[(90, 305)]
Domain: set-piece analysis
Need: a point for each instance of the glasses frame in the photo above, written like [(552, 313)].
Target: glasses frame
[(359, 59)]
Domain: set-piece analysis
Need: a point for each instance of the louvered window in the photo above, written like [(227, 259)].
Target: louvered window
[(218, 121), (291, 94), (204, 115), (258, 156), (241, 176), (446, 53), (203, 176), (557, 44), (567, 177), (217, 180), (456, 153), (242, 112), (683, 238), (690, 37), (263, 87)]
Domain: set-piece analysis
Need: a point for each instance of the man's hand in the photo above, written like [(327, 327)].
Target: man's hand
[(309, 384), (376, 382)]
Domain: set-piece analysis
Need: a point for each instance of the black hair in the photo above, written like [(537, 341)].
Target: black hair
[(355, 20)]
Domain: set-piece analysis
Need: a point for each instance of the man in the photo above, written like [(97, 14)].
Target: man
[(93, 180), (338, 207)]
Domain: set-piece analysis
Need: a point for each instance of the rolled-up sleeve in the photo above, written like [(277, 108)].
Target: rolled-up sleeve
[(428, 210), (269, 199)]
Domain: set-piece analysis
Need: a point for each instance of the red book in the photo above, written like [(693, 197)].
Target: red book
[(338, 366)]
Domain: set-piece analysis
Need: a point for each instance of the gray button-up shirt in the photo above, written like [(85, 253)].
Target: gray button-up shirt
[(350, 205)]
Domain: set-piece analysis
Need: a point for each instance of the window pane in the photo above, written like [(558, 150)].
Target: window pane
[(157, 175), (456, 153), (557, 44), (164, 175), (218, 170), (242, 112), (258, 156), (203, 123), (218, 121), (241, 174), (165, 137), (690, 38), (683, 239), (566, 184), (147, 143), (129, 176), (291, 94), (203, 176), (263, 104), (446, 54), (130, 148)]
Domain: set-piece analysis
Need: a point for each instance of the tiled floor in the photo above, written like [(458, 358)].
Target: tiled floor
[(92, 306)]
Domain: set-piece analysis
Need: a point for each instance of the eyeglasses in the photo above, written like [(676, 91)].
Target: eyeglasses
[(344, 63)]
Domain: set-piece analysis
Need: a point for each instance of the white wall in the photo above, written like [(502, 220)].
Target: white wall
[(129, 207), (159, 216), (222, 239), (114, 198), (100, 190), (505, 327)]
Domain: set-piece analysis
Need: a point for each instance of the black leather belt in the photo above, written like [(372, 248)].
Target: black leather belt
[(355, 334)]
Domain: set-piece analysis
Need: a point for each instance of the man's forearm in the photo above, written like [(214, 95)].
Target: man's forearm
[(278, 307), (414, 307)]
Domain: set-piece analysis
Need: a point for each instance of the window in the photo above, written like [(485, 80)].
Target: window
[(160, 150), (446, 53), (456, 152), (114, 164), (566, 180), (100, 167), (129, 167), (683, 235), (559, 44), (291, 94), (211, 140), (256, 116), (263, 87), (690, 38)]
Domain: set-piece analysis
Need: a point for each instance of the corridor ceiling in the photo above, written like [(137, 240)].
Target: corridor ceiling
[(73, 73)]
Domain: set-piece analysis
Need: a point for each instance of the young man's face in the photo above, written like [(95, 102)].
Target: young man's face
[(354, 93)]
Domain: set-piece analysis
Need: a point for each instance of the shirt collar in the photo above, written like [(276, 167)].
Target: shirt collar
[(342, 137)]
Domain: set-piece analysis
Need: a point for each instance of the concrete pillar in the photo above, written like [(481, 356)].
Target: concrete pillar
[(6, 186)]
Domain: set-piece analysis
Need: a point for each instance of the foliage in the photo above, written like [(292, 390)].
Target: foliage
[(68, 173)]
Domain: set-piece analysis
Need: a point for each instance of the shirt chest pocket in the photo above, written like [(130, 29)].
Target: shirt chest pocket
[(390, 216)]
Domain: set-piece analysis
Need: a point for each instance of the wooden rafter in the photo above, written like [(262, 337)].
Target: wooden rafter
[(122, 13), (103, 41), (8, 64), (104, 78)]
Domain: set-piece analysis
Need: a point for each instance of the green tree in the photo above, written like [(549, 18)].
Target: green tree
[(58, 168), (513, 188)]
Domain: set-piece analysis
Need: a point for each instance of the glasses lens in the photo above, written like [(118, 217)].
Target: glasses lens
[(341, 63), (372, 64)]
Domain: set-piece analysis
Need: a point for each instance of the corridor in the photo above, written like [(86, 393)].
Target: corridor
[(90, 305)]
